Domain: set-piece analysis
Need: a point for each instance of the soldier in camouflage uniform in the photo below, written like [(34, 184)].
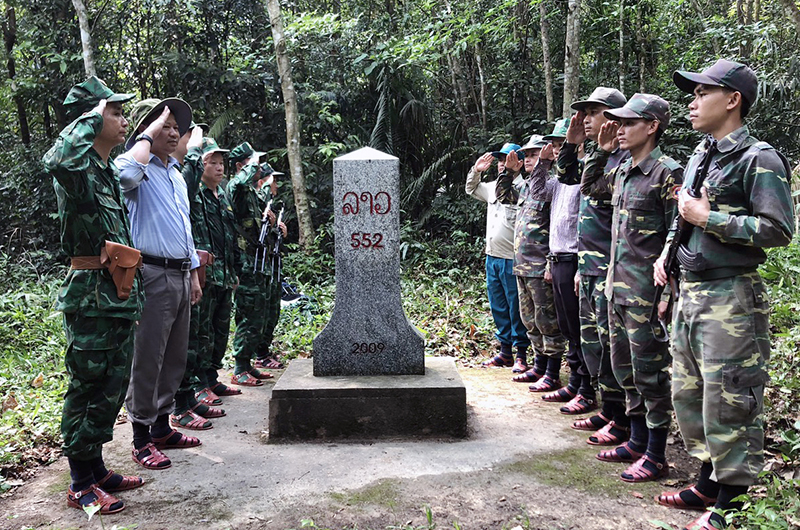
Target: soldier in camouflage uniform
[(202, 163), (99, 325), (249, 202), (594, 247), (531, 235), (643, 189), (720, 328)]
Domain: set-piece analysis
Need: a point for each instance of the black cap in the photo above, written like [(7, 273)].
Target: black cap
[(728, 74)]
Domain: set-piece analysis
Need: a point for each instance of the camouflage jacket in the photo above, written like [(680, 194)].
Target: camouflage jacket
[(91, 211), (532, 227), (644, 206), (751, 206), (594, 226), (213, 223)]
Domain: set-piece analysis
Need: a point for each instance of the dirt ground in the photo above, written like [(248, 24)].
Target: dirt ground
[(520, 466)]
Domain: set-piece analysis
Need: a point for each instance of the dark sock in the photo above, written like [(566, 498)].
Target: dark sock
[(639, 434), (574, 382), (554, 368), (161, 427), (725, 502), (704, 485), (657, 444), (540, 364), (141, 435), (211, 377), (183, 401), (619, 416), (586, 389), (607, 409), (80, 471), (242, 366), (505, 351), (522, 353), (100, 471)]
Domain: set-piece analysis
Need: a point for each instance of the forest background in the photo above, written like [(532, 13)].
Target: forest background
[(434, 82)]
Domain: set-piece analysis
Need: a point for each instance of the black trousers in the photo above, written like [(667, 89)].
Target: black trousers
[(567, 307)]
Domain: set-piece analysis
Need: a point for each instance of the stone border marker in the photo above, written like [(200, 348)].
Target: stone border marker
[(368, 333)]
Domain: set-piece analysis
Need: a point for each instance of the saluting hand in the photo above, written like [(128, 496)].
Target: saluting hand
[(155, 128), (547, 153), (100, 107), (576, 134), (196, 139), (484, 162), (513, 163), (607, 139)]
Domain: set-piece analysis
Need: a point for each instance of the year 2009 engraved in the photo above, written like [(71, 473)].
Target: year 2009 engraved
[(366, 240), (368, 347)]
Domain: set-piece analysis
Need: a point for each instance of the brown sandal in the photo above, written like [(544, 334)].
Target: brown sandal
[(208, 398), (196, 423), (128, 483), (604, 436), (528, 376), (245, 379), (587, 425), (108, 503), (258, 374), (673, 499), (182, 442), (223, 390), (154, 459), (210, 412)]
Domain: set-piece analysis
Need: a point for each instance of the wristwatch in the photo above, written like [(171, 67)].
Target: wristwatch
[(144, 136)]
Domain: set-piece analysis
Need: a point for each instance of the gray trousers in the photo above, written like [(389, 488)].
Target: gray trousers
[(160, 345)]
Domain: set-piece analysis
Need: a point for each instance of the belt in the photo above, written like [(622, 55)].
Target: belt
[(562, 256), (86, 263), (167, 263)]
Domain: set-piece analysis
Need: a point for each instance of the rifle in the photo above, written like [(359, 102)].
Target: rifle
[(682, 230), (275, 262), (261, 250)]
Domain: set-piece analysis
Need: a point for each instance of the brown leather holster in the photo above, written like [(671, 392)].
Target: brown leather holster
[(121, 262), (206, 258)]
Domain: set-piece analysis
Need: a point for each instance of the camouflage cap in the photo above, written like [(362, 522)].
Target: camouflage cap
[(203, 125), (536, 141), (209, 146), (146, 108), (643, 106), (244, 151), (729, 74), (507, 148), (559, 130), (610, 97), (266, 169), (85, 96)]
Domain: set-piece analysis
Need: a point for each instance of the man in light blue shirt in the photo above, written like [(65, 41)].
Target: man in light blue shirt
[(158, 204)]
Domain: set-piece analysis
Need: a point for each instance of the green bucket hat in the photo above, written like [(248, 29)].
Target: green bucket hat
[(244, 151), (85, 96), (149, 107), (643, 106), (559, 130), (209, 146)]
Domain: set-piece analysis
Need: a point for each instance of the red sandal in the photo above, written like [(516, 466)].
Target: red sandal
[(258, 374), (587, 425), (208, 397), (128, 483), (196, 423), (545, 384), (210, 413), (108, 503), (183, 442), (154, 459), (636, 472), (221, 389), (245, 379), (673, 499), (530, 376), (562, 395), (270, 363), (498, 361), (520, 366), (703, 523), (605, 437), (579, 405), (612, 455)]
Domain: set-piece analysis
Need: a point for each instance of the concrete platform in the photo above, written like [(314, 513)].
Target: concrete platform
[(307, 407)]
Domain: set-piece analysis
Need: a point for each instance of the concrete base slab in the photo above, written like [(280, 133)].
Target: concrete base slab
[(307, 407)]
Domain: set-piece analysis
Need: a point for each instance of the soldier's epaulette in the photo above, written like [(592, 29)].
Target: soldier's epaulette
[(669, 162), (762, 146)]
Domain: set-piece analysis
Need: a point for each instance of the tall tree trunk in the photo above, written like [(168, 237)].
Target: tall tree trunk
[(621, 61), (702, 16), (641, 41), (457, 95), (301, 204), (544, 30), (792, 11), (479, 61), (572, 55), (86, 38), (10, 38)]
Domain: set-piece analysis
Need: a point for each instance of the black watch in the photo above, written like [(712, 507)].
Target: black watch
[(144, 136)]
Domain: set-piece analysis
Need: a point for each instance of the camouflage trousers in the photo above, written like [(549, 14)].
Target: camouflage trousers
[(98, 361), (252, 307), (641, 365), (595, 345), (208, 336), (274, 293), (537, 309), (721, 347)]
